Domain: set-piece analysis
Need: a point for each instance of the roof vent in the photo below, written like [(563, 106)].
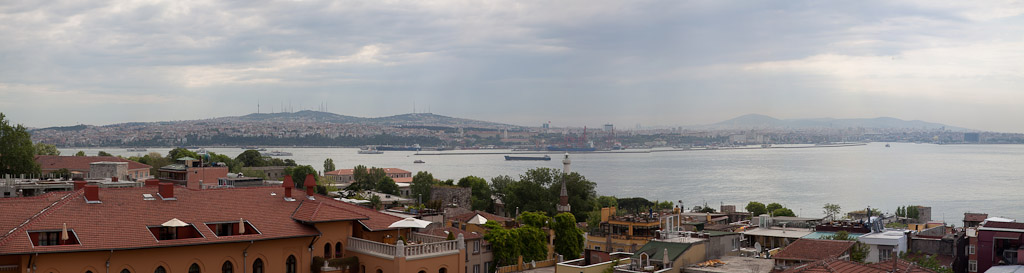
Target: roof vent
[(288, 184), (148, 197), (166, 191), (92, 194)]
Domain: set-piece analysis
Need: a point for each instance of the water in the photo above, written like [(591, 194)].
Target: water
[(952, 179)]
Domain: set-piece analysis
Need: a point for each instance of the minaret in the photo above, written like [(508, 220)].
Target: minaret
[(563, 197)]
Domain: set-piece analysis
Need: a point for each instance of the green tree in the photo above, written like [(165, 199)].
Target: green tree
[(664, 205), (538, 219), (62, 173), (635, 204), (253, 173), (582, 195), (178, 153), (17, 153), (912, 212), (505, 243), (783, 212), (756, 208), (299, 173), (387, 185), (859, 251), (594, 221), (480, 198), (251, 158), (375, 202), (831, 210), (233, 166), (568, 238), (535, 243), (328, 165), (774, 206), (46, 149), (420, 187), (607, 202), (80, 153), (102, 153)]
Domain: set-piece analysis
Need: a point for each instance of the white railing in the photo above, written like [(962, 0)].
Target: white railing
[(431, 248), (426, 238), (370, 247)]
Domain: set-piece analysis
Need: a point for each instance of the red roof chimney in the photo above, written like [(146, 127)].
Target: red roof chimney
[(288, 185), (92, 193), (310, 184), (152, 182), (79, 184), (166, 191), (113, 179)]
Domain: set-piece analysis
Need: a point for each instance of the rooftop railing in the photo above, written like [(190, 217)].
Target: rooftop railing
[(410, 252)]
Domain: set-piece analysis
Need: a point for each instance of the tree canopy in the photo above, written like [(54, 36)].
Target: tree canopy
[(80, 153), (251, 158), (539, 189), (179, 152), (774, 206), (17, 153), (328, 165), (481, 193), (102, 153), (299, 173), (46, 149), (568, 237), (831, 210), (420, 187)]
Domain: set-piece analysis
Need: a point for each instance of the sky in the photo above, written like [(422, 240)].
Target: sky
[(576, 63)]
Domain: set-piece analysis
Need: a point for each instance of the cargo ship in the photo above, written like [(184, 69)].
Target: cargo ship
[(570, 149), (545, 157), (414, 147)]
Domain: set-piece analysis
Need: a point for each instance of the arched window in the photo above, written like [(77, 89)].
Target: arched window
[(88, 271), (194, 268), (363, 270), (421, 271), (380, 271), (289, 265), (327, 250), (160, 269), (442, 270), (126, 271), (337, 250), (227, 267), (257, 266)]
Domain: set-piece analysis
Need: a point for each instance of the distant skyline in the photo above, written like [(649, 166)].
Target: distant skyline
[(574, 63)]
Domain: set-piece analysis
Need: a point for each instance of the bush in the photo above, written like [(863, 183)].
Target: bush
[(316, 264), (350, 262)]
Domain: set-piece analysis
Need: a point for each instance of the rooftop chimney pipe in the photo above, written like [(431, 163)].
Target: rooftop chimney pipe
[(310, 184), (166, 191), (152, 182), (288, 185), (113, 179), (92, 193), (79, 184)]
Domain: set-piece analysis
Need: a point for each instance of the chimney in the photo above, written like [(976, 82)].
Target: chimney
[(92, 194), (310, 185), (113, 179), (79, 184), (152, 182), (288, 185), (166, 191)]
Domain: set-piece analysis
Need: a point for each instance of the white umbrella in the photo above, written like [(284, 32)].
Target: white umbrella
[(410, 223), (241, 226), (64, 233), (478, 219), (174, 223)]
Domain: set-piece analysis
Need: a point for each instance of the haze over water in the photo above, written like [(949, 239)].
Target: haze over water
[(952, 179)]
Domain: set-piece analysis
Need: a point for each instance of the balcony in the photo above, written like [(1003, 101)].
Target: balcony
[(431, 246)]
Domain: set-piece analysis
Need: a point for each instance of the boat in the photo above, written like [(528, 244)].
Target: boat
[(418, 161), (276, 153), (545, 157), (887, 145), (369, 152), (414, 147), (253, 148), (570, 149), (136, 149)]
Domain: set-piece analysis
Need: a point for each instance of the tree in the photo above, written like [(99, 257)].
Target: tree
[(299, 173), (505, 243), (17, 154), (535, 243), (251, 158), (666, 205), (420, 187), (756, 208), (178, 153), (80, 153), (328, 165), (62, 173), (859, 250), (774, 206), (831, 210), (538, 219), (635, 204), (233, 166), (568, 237), (375, 202), (102, 153), (247, 172), (912, 212), (783, 212), (480, 198), (46, 149), (387, 185), (607, 201)]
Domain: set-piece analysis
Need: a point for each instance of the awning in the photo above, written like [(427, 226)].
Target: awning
[(1007, 235)]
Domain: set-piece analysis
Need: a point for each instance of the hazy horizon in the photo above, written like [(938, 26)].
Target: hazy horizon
[(574, 63)]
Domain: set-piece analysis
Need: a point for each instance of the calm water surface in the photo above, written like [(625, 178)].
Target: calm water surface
[(952, 179)]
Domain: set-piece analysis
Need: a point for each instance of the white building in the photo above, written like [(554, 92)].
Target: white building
[(884, 245)]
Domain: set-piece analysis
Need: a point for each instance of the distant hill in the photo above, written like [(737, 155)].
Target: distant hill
[(755, 121), (412, 119)]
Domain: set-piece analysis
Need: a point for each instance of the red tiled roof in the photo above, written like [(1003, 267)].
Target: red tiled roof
[(469, 215), (841, 266), (403, 179), (441, 232), (1012, 225), (975, 217), (121, 220), (81, 163), (814, 250)]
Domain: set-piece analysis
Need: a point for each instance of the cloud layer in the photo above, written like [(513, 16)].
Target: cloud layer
[(524, 62)]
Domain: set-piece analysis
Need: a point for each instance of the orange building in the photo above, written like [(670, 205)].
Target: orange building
[(168, 228)]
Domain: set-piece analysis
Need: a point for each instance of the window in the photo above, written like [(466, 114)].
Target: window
[(257, 266), (442, 270), (230, 228), (487, 267), (476, 268), (972, 266), (126, 271), (884, 254), (597, 247), (160, 269), (227, 267), (289, 265), (194, 268), (327, 251), (476, 246), (52, 238), (380, 271), (337, 250), (174, 233), (970, 249)]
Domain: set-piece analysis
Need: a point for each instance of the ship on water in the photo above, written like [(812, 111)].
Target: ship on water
[(570, 149), (369, 151), (414, 147), (544, 158)]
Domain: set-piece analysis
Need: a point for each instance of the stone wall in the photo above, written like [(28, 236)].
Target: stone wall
[(108, 170), (449, 196)]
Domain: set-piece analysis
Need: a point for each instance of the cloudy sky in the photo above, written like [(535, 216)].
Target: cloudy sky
[(584, 62)]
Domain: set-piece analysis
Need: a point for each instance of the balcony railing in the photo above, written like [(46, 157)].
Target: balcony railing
[(410, 252), (426, 238)]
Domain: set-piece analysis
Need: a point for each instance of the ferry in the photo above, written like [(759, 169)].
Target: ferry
[(276, 153), (136, 149), (414, 147), (418, 161), (544, 158), (370, 152)]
